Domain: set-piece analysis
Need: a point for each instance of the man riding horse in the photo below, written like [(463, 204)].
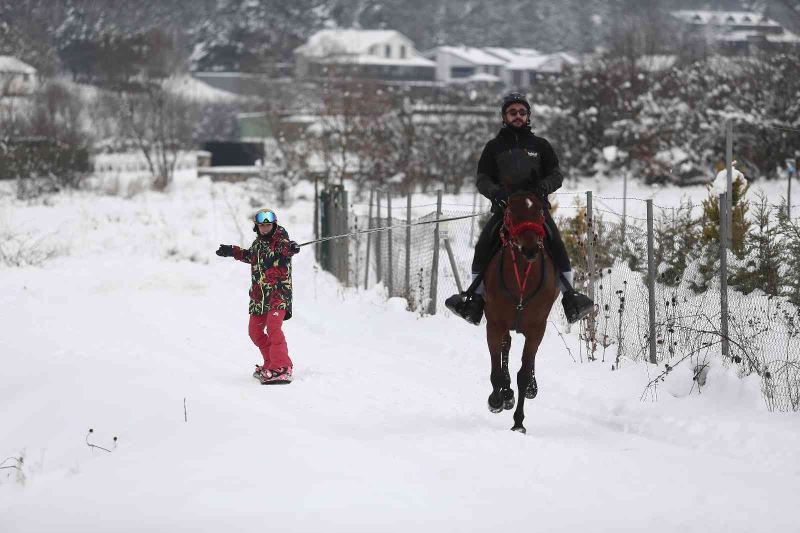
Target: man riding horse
[(514, 160)]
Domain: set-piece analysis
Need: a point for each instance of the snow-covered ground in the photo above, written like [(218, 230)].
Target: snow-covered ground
[(134, 328)]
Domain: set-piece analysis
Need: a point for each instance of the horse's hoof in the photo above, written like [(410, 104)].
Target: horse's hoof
[(519, 429), (508, 399), (532, 390), (495, 407)]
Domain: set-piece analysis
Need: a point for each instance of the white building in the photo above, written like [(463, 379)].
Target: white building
[(465, 64), (375, 54), (17, 78), (513, 67), (736, 32)]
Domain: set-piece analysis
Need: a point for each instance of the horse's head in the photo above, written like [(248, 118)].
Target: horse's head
[(524, 223)]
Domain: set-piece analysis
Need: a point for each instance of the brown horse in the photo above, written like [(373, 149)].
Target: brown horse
[(521, 286)]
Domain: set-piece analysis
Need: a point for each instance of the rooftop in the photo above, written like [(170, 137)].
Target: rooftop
[(12, 64)]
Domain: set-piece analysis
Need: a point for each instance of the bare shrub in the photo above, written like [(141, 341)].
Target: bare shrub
[(26, 249)]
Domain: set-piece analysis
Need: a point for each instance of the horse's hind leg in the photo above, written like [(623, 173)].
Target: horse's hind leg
[(532, 342), (506, 391), (495, 335)]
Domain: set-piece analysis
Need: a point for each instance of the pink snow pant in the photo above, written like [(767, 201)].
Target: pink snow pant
[(265, 332)]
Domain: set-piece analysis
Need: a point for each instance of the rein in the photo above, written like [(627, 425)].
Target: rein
[(508, 237)]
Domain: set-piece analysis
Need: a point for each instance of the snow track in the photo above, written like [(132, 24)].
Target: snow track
[(385, 427)]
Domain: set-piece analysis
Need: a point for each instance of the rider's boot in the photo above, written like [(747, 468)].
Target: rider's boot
[(576, 305), (468, 305)]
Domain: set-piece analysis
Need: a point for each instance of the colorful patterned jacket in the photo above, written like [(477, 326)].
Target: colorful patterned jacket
[(271, 272)]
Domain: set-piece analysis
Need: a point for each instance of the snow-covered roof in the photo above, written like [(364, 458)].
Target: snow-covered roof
[(326, 42), (725, 18), (12, 64), (363, 59), (542, 63), (508, 54), (744, 35), (656, 63), (198, 90), (476, 56)]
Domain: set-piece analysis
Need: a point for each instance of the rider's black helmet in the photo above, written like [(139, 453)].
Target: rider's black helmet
[(514, 98)]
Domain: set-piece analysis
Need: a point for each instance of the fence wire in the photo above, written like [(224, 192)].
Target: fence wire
[(763, 331)]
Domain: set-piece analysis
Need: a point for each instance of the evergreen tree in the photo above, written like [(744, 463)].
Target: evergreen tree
[(676, 236), (789, 271), (763, 253), (739, 225)]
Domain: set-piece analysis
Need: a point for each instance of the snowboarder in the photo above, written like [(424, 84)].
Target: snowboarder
[(516, 159), (270, 259)]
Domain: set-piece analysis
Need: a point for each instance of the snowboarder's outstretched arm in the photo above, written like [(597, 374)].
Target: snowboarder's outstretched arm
[(240, 254)]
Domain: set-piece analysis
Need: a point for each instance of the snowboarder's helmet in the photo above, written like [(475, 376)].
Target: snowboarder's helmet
[(514, 98), (265, 216)]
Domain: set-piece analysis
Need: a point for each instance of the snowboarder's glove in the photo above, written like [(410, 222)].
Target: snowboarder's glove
[(225, 250), (294, 248)]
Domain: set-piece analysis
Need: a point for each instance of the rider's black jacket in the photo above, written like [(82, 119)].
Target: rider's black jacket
[(518, 159)]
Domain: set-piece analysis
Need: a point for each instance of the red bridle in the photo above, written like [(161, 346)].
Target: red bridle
[(515, 230), (512, 231)]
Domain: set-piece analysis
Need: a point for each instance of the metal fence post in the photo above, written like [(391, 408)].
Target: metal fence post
[(724, 217), (472, 220), (408, 247), (651, 281), (369, 240), (344, 244), (590, 242), (316, 217), (729, 172), (435, 265), (378, 239), (390, 247), (452, 259), (591, 321)]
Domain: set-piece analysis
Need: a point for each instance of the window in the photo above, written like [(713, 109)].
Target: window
[(531, 77), (403, 52), (387, 50), (517, 78), (461, 72)]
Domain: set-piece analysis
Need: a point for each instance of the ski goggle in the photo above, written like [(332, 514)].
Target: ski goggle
[(265, 217)]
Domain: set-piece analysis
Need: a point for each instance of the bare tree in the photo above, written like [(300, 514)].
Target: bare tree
[(158, 120), (160, 124)]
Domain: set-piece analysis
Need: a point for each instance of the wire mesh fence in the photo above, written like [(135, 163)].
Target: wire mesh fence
[(670, 315)]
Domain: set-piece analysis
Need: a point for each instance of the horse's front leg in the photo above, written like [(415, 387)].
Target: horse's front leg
[(506, 391), (532, 342), (496, 333)]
